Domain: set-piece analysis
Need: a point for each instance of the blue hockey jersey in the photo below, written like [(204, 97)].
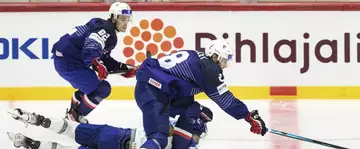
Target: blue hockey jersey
[(94, 39), (187, 73)]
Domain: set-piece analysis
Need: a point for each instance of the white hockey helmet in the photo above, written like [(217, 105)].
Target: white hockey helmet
[(118, 8), (222, 50)]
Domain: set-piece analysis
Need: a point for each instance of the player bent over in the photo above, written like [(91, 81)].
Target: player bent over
[(82, 58), (176, 78), (91, 136)]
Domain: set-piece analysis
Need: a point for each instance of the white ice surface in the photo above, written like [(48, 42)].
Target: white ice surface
[(332, 121)]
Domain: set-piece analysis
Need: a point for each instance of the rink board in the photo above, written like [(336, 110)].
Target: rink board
[(278, 67)]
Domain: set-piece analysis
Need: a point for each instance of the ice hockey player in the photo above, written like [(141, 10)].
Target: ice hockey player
[(82, 58), (176, 78), (90, 136)]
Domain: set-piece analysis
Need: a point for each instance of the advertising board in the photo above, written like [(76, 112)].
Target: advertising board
[(278, 49)]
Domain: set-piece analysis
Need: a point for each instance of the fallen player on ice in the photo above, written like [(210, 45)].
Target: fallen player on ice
[(91, 136)]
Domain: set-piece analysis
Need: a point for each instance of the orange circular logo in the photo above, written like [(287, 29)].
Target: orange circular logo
[(150, 36)]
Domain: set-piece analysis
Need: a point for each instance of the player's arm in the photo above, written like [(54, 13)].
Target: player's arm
[(92, 55), (93, 49), (216, 89)]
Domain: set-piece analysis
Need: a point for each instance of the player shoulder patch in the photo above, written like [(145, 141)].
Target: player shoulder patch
[(222, 88)]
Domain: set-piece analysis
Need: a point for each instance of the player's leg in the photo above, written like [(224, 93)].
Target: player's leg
[(91, 91), (21, 140), (87, 135), (153, 104), (184, 105), (57, 125), (82, 104), (190, 113), (104, 136)]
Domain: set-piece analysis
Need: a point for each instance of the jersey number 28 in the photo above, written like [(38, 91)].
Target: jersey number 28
[(170, 61)]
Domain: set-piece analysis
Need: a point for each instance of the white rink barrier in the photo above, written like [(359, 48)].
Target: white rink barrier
[(305, 50)]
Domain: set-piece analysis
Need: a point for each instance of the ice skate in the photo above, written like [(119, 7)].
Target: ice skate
[(21, 140), (73, 115), (30, 118)]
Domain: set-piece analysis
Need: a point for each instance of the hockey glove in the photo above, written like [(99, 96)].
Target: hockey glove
[(206, 114), (131, 73), (99, 67), (257, 124)]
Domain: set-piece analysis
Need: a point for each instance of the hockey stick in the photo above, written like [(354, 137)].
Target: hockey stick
[(121, 71), (289, 135), (148, 55)]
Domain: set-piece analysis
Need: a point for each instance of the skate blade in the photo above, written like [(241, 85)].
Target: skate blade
[(18, 117), (18, 139), (11, 136), (14, 115)]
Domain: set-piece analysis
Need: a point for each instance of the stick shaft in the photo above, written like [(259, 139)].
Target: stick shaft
[(289, 135)]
